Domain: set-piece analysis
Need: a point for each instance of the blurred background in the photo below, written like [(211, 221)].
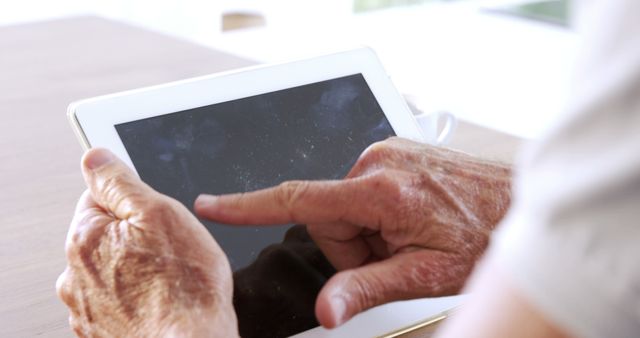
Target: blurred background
[(501, 64)]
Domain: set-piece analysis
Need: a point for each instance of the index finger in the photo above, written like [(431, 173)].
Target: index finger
[(294, 202)]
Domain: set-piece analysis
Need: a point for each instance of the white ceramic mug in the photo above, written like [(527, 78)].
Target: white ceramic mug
[(429, 122)]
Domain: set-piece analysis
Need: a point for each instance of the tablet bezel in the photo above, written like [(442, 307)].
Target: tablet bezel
[(94, 119)]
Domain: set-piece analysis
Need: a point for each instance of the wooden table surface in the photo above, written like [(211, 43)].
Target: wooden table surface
[(43, 67)]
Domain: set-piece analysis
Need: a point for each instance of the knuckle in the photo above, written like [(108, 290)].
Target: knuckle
[(86, 223), (63, 289), (121, 194), (71, 248), (376, 151), (114, 193), (377, 155), (76, 247), (421, 275), (387, 184), (289, 192), (442, 275), (111, 187), (125, 198)]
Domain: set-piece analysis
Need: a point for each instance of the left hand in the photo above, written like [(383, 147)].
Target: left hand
[(139, 263)]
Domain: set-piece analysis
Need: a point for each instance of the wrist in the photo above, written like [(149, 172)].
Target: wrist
[(219, 322)]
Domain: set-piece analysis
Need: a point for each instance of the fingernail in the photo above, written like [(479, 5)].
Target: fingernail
[(98, 158), (339, 309), (205, 200)]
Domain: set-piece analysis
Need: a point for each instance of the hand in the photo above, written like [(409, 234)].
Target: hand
[(139, 263), (410, 220)]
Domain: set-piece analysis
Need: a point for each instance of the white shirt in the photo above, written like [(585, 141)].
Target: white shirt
[(571, 242)]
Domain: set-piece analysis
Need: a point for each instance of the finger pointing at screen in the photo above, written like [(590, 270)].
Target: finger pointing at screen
[(409, 221)]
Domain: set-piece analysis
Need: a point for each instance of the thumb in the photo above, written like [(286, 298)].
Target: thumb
[(404, 276), (112, 184)]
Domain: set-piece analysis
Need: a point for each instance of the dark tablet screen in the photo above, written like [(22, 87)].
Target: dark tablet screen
[(315, 131)]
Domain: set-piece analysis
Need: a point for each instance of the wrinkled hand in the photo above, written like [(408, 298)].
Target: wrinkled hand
[(410, 220), (139, 263)]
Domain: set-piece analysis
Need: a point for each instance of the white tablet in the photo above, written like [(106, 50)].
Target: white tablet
[(250, 129)]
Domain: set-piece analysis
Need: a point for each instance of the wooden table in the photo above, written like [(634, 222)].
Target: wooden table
[(45, 66)]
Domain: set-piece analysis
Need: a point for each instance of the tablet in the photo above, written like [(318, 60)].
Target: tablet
[(251, 129)]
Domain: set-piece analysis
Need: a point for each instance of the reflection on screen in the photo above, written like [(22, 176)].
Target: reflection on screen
[(315, 131)]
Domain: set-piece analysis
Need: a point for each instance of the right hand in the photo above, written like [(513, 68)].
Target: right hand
[(410, 220)]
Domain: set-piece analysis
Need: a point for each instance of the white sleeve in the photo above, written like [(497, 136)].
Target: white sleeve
[(571, 242)]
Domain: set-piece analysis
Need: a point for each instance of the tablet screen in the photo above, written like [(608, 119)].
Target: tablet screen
[(314, 131)]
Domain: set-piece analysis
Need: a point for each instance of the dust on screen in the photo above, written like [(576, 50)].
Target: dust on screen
[(310, 132)]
